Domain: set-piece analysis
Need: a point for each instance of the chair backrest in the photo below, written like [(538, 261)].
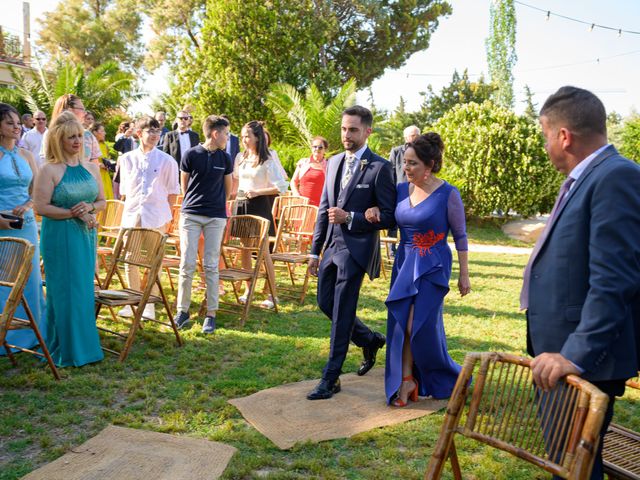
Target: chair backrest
[(141, 247), (557, 430), (111, 217), (246, 233), (173, 229), (286, 201), (295, 229), (16, 255)]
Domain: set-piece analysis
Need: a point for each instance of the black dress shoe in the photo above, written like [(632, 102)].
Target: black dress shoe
[(325, 389), (370, 353)]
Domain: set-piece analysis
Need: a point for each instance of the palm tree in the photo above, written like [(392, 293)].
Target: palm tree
[(102, 89), (303, 117)]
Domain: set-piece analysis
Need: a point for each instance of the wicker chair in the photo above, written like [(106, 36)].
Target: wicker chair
[(16, 255), (247, 234), (282, 201), (140, 248), (557, 431), (621, 449), (171, 259), (293, 241)]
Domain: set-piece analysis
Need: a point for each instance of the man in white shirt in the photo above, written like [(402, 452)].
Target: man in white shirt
[(149, 186), (32, 139)]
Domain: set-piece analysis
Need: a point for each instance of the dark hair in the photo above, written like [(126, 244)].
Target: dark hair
[(213, 122), (364, 113), (25, 116), (577, 109), (123, 127), (89, 112), (94, 127), (6, 110), (147, 122), (322, 139), (429, 148), (258, 131)]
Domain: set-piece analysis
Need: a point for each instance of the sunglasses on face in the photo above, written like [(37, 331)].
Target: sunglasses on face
[(41, 119), (185, 118)]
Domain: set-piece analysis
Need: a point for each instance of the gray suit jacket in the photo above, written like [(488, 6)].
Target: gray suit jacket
[(396, 158), (584, 291)]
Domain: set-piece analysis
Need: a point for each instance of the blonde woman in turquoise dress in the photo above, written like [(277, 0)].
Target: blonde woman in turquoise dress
[(17, 169), (68, 193)]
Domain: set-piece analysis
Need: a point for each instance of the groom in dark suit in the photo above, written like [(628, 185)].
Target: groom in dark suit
[(582, 283), (355, 181)]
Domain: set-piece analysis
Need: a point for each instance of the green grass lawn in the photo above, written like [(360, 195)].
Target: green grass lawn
[(184, 391)]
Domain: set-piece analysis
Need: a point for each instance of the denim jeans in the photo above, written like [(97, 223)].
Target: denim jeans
[(191, 226)]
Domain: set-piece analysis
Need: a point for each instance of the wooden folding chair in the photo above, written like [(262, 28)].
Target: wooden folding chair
[(293, 243), (557, 431), (109, 221), (621, 449), (387, 241), (171, 259), (16, 255), (248, 234), (139, 248), (282, 201)]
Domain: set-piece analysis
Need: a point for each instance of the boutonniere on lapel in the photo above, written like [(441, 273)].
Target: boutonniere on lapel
[(363, 164)]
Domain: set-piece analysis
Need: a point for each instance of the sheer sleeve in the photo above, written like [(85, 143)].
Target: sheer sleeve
[(274, 176), (455, 216)]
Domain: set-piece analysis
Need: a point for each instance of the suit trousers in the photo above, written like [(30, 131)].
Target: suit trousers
[(339, 282)]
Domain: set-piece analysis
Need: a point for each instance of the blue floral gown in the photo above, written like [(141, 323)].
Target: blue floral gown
[(15, 177), (69, 254), (420, 277)]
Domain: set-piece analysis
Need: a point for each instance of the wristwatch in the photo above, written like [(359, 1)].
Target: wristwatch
[(349, 218)]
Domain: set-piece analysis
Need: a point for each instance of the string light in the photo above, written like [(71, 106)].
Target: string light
[(592, 25)]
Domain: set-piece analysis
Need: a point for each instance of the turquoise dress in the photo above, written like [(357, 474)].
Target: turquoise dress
[(15, 177), (69, 254)]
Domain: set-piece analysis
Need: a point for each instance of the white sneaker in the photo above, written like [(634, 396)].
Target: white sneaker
[(126, 311), (149, 311), (268, 303)]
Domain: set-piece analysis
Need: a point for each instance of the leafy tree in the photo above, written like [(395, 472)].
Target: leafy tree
[(630, 137), (501, 50), (301, 117), (460, 90), (102, 89), (230, 59), (530, 110), (89, 32), (497, 160)]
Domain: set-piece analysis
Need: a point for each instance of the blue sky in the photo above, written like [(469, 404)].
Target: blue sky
[(551, 53)]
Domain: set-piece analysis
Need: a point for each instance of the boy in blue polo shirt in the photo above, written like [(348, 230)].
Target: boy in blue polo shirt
[(205, 178)]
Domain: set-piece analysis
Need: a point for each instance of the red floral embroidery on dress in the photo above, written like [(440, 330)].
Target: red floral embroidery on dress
[(424, 241)]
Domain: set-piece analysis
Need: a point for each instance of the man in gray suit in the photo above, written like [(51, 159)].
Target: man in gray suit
[(396, 156), (581, 286)]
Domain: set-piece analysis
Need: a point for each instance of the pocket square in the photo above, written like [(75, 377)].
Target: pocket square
[(362, 185), (218, 168)]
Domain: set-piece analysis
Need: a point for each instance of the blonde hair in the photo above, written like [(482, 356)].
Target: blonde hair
[(64, 125), (63, 103)]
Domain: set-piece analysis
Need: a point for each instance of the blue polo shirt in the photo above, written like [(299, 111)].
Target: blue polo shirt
[(205, 193)]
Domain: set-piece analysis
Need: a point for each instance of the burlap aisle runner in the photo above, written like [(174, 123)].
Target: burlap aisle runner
[(119, 453), (285, 416)]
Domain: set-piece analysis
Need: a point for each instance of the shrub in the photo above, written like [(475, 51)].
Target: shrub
[(497, 160), (630, 135)]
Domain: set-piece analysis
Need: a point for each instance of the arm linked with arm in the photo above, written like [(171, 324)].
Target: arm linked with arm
[(385, 193)]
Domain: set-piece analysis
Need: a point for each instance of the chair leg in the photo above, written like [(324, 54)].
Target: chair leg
[(132, 334), (165, 301), (43, 346), (455, 465), (12, 358), (305, 285)]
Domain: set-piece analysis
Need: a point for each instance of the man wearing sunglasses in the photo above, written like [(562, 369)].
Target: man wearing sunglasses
[(182, 139), (32, 139)]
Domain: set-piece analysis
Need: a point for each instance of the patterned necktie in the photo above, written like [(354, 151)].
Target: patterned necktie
[(350, 161), (524, 293)]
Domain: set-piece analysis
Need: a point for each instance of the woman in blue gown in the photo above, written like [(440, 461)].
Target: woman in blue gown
[(427, 208), (17, 169), (68, 193)]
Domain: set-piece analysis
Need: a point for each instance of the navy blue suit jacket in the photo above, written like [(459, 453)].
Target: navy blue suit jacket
[(371, 185), (234, 147), (584, 291)]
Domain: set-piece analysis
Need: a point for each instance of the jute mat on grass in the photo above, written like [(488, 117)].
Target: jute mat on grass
[(285, 416), (119, 453)]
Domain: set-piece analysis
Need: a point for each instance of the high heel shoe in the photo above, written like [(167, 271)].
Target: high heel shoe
[(413, 396)]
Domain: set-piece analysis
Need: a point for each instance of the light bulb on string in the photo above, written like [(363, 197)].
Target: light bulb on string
[(548, 15), (591, 27)]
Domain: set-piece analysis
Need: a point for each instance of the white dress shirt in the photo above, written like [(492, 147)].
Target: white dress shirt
[(267, 175), (358, 154), (185, 142), (32, 141), (147, 179)]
